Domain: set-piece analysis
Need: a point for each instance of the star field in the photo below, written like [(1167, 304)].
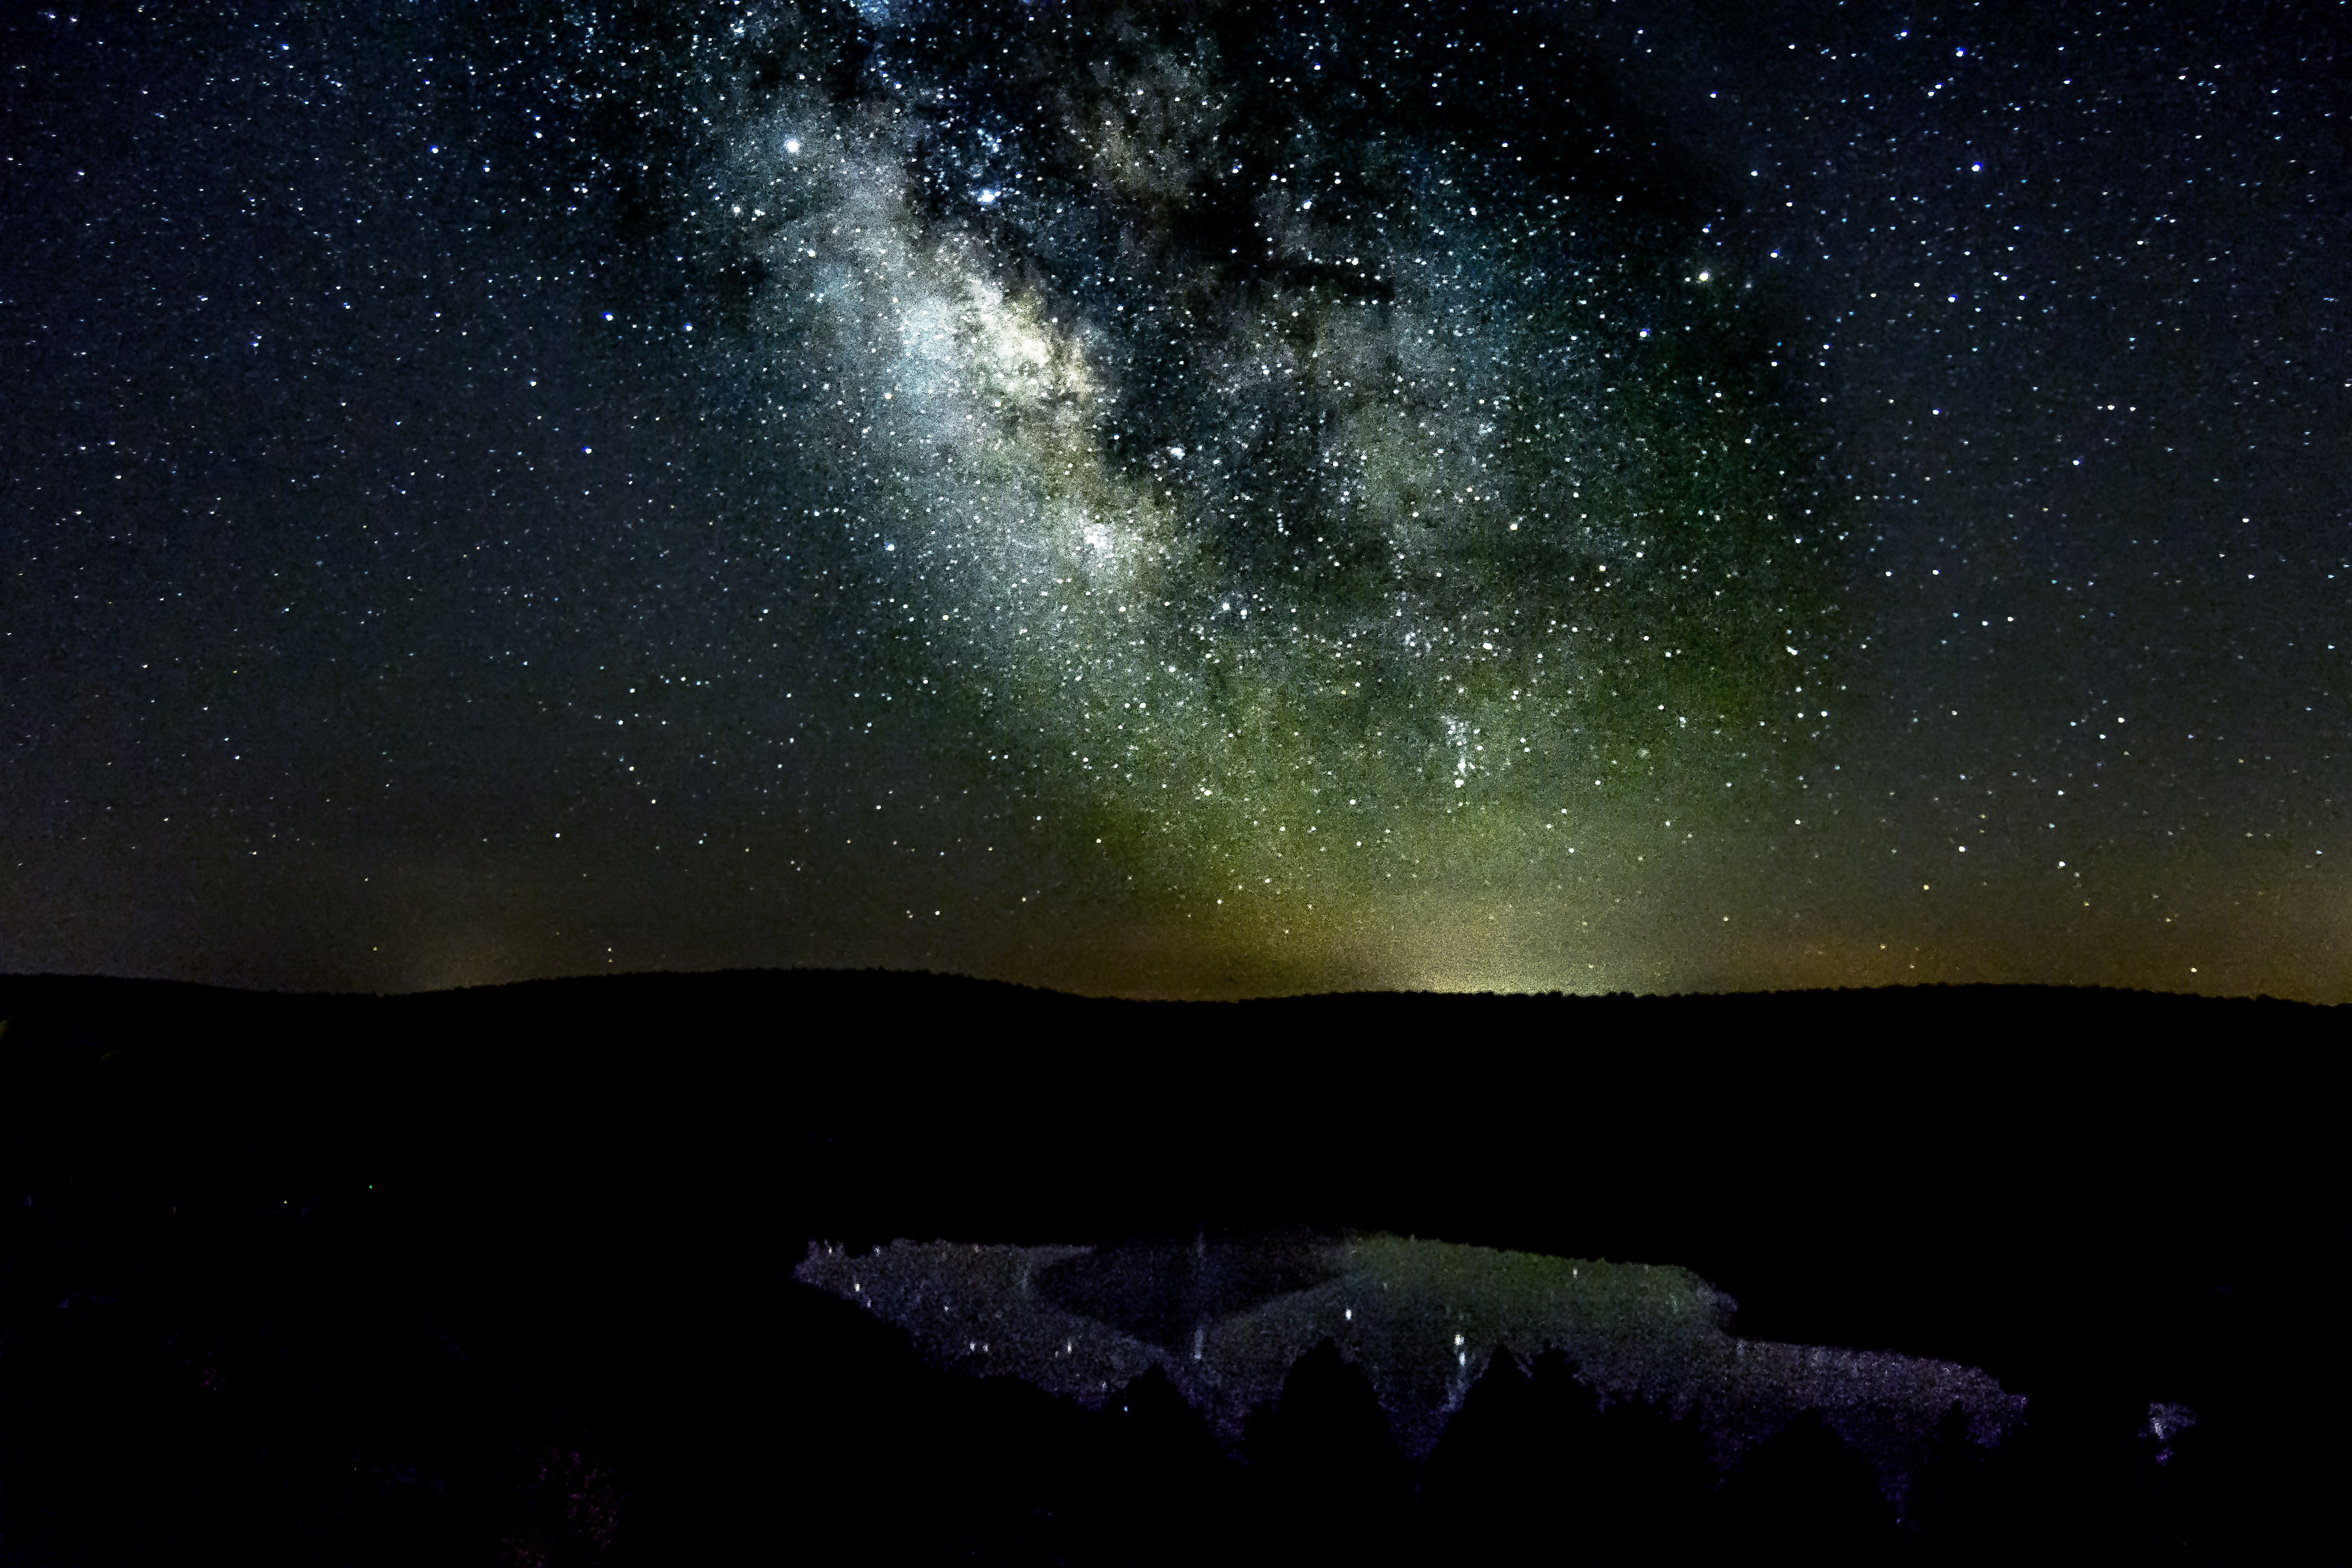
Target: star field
[(1177, 500)]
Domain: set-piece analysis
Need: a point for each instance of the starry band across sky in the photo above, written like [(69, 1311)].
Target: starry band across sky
[(1176, 499)]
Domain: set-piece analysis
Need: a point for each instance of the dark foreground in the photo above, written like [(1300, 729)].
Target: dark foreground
[(505, 1276)]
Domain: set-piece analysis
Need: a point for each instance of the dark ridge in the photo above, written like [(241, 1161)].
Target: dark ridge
[(906, 990), (282, 1273)]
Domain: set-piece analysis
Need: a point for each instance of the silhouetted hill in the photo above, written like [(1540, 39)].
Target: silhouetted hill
[(293, 1278)]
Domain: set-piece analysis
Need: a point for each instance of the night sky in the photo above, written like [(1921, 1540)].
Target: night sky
[(1187, 499)]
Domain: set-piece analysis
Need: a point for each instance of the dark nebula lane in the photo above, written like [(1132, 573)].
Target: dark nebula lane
[(1333, 458)]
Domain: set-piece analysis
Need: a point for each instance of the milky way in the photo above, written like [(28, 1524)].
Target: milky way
[(1188, 498), (1321, 449)]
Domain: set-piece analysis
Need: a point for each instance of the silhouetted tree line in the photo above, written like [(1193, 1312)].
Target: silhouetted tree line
[(1533, 1467), (316, 1413)]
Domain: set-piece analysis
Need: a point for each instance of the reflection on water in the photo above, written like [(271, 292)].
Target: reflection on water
[(1225, 1319)]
